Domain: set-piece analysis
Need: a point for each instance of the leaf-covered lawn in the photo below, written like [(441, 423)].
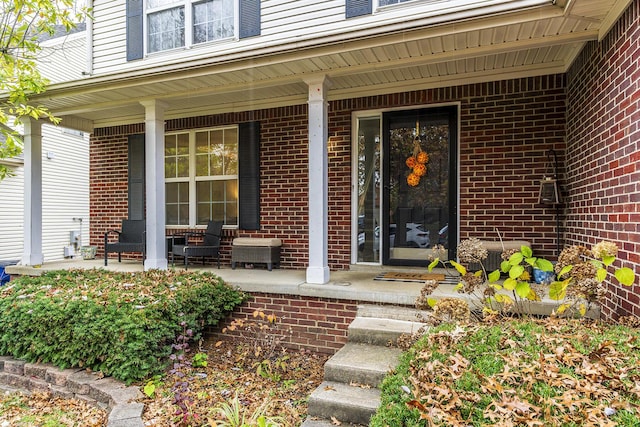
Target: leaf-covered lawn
[(231, 371), (44, 410), (548, 372)]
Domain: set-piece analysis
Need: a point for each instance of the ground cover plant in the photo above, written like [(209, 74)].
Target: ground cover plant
[(517, 372), (121, 324)]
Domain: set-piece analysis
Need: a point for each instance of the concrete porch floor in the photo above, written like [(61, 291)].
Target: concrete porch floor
[(357, 284)]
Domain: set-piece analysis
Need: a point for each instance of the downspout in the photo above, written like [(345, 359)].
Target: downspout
[(89, 41)]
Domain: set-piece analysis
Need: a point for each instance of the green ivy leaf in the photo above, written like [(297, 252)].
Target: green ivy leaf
[(531, 261), (432, 302), (434, 264), (562, 308), (566, 269), (459, 268), (523, 289), (504, 299), (516, 258), (601, 274), (505, 266), (510, 284), (516, 271), (494, 276), (526, 251), (149, 389), (543, 264), (625, 275), (608, 260), (558, 290)]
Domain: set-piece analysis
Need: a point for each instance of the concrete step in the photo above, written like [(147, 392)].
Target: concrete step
[(380, 331), (364, 364), (309, 422), (409, 314), (348, 404)]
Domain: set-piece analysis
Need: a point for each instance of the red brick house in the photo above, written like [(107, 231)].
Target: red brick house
[(295, 120)]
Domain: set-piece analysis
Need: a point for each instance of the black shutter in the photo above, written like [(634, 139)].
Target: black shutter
[(249, 18), (358, 8), (136, 176), (249, 176), (135, 37)]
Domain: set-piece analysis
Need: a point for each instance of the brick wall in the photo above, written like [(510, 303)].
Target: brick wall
[(108, 204), (603, 153), (506, 131), (314, 323), (507, 128)]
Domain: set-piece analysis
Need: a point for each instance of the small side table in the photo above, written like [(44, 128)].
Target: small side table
[(179, 240)]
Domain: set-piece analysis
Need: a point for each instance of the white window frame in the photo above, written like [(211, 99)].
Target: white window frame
[(188, 25), (193, 179)]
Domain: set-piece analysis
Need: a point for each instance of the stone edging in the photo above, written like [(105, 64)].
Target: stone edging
[(107, 393)]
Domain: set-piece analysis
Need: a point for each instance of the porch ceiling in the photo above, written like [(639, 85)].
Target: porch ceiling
[(541, 41)]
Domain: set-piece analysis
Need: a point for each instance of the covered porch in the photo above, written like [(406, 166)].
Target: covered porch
[(358, 285)]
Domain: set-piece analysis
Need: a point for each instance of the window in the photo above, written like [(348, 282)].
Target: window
[(160, 25), (201, 175), (390, 2), (172, 24)]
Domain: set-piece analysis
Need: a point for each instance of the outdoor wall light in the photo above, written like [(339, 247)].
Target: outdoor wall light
[(549, 190), (549, 193)]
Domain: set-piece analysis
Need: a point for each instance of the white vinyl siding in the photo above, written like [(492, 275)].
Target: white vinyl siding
[(11, 214), (64, 59), (65, 195), (283, 23)]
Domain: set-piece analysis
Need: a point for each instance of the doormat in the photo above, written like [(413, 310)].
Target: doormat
[(409, 277)]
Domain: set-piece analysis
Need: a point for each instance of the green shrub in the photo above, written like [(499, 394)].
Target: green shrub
[(121, 324)]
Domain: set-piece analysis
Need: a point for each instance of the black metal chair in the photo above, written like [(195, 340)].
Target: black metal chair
[(131, 238), (208, 247)]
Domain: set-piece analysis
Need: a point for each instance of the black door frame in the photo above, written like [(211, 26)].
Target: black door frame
[(451, 112)]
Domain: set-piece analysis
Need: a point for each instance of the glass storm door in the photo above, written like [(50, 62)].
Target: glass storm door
[(419, 185), (368, 196)]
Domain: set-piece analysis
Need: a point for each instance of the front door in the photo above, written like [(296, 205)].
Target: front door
[(419, 184), (406, 186)]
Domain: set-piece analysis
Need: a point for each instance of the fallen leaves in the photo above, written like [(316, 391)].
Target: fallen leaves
[(554, 374), (43, 409), (230, 371)]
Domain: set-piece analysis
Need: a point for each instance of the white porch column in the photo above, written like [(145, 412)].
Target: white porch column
[(32, 251), (318, 269), (154, 183)]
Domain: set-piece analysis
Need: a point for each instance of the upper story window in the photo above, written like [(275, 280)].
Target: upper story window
[(161, 25), (390, 2), (173, 24)]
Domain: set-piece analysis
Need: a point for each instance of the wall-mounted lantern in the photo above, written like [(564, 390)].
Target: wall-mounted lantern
[(549, 190), (549, 193)]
